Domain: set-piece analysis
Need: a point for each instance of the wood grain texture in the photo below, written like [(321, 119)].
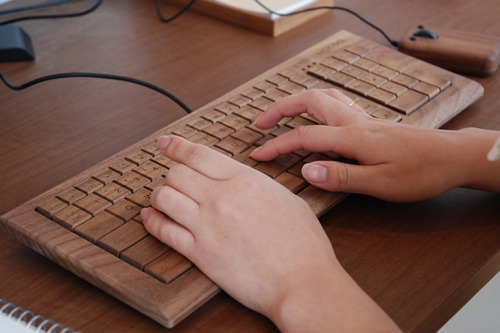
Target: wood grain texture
[(421, 262)]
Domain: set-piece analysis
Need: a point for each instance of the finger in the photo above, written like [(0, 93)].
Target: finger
[(175, 204), (189, 182), (322, 105), (317, 138), (337, 94), (168, 231), (337, 177), (198, 157), (353, 178)]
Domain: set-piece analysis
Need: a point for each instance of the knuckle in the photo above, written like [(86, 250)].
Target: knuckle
[(341, 177), (303, 132), (196, 153)]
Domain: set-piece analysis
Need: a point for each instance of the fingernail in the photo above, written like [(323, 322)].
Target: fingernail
[(145, 214), (163, 142), (314, 173), (254, 151)]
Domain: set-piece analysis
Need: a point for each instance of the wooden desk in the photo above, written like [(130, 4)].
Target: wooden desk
[(420, 261)]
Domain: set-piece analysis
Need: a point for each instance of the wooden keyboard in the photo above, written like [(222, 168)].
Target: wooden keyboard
[(91, 223)]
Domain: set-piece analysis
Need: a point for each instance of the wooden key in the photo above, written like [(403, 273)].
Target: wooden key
[(213, 115), (93, 204), (71, 195), (321, 71), (394, 88), (291, 87), (409, 102), (276, 79), (165, 161), (50, 207), (122, 166), (107, 176), (240, 100), (387, 114), (374, 79), (132, 180), (235, 122), (426, 89), (71, 217), (185, 131), (219, 130), (345, 56), (151, 148), (382, 96), (361, 87), (113, 192), (124, 209), (200, 123), (341, 79), (366, 64), (261, 103), (98, 226), (405, 80), (154, 184), (428, 77), (169, 266), (264, 86), (253, 93), (139, 157), (354, 71), (226, 108), (143, 195), (385, 72), (335, 64), (305, 80), (89, 185), (204, 139), (151, 170), (392, 60), (122, 237), (291, 182), (249, 112), (144, 252), (232, 145), (276, 94)]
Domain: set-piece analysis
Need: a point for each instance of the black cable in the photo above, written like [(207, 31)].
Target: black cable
[(44, 17), (98, 76), (173, 17), (393, 42), (33, 7)]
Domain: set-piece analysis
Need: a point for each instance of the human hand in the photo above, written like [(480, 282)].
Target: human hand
[(257, 241), (396, 162), (237, 225)]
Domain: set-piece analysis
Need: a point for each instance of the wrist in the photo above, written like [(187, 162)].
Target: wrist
[(472, 150), (333, 302)]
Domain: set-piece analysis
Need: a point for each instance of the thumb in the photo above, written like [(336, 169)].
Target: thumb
[(333, 176)]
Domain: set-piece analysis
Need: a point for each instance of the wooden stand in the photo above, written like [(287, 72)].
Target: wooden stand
[(259, 20)]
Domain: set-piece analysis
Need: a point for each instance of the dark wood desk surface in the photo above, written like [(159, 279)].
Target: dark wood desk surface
[(420, 261)]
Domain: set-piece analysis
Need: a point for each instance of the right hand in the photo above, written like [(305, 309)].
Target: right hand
[(396, 162)]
